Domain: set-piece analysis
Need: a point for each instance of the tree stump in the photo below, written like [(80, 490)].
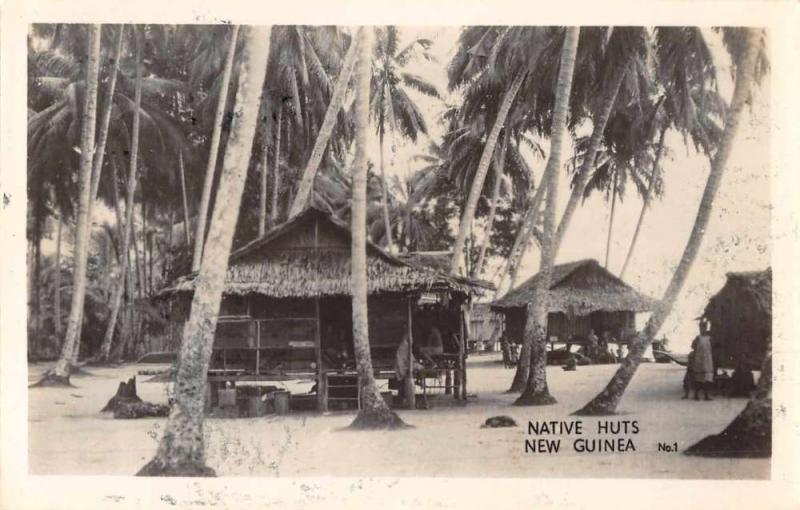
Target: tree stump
[(126, 394)]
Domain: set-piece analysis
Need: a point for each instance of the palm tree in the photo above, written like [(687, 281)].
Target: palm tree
[(623, 68), (181, 450), (654, 173), (391, 107), (202, 212), (483, 167), (408, 212), (326, 129), (536, 390), (374, 412), (116, 299), (746, 46), (687, 104), (60, 374)]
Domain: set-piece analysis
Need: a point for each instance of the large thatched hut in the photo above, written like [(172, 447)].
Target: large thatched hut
[(286, 310), (583, 296), (740, 320)]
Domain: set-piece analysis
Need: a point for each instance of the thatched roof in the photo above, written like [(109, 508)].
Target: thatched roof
[(580, 288), (440, 261), (281, 265), (755, 286)]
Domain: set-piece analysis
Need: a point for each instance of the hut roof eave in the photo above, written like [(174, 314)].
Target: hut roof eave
[(616, 297)]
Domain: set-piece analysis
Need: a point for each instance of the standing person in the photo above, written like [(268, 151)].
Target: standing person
[(703, 362)]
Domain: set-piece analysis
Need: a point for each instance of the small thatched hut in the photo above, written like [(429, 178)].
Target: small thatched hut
[(583, 296), (740, 319), (286, 309)]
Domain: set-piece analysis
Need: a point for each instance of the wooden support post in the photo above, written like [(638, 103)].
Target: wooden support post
[(411, 397), (322, 377), (258, 346), (448, 382), (463, 353)]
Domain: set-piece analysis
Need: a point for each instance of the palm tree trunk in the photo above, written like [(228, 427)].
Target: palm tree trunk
[(149, 241), (143, 267), (500, 164), (579, 185), (262, 196), (186, 227), (105, 122), (480, 174), (607, 400), (645, 201), (387, 222), (611, 220), (37, 274), (57, 281), (88, 123), (374, 412), (536, 391), (138, 261), (524, 362), (328, 123), (126, 232), (211, 165), (181, 451), (276, 169)]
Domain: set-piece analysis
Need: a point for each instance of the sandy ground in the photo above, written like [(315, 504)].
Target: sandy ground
[(68, 434)]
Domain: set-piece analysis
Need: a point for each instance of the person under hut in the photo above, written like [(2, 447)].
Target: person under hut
[(702, 363), (433, 347), (592, 343)]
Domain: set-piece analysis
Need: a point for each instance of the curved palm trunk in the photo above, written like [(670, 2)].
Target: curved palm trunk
[(181, 451), (387, 222), (326, 129), (645, 202), (276, 170), (607, 400), (480, 174), (127, 232), (500, 164), (88, 122), (536, 391), (588, 164), (211, 165), (374, 412), (611, 220)]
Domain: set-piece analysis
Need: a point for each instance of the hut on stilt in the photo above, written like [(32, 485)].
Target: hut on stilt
[(286, 313), (740, 320), (583, 296)]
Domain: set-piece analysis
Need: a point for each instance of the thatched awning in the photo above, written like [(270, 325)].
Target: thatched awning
[(580, 288), (274, 269)]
